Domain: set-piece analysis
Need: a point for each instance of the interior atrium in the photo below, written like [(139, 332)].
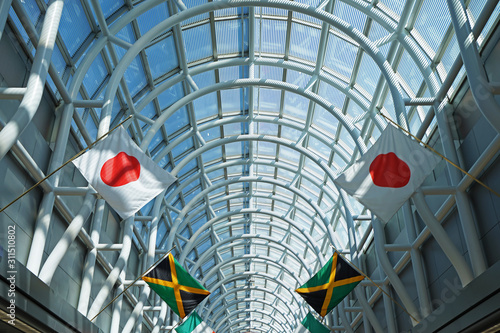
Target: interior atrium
[(255, 106)]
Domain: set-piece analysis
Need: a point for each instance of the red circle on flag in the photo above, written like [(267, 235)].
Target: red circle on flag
[(388, 170), (120, 170)]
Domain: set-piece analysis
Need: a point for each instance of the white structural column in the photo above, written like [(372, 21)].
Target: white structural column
[(36, 82), (120, 265), (149, 259), (386, 265), (62, 246), (359, 291), (90, 260), (478, 80), (417, 262), (471, 235), (443, 239)]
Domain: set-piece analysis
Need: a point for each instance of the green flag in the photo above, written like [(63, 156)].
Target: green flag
[(194, 324), (311, 325), (175, 286), (330, 285)]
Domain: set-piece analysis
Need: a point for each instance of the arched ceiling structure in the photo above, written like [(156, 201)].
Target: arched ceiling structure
[(255, 106)]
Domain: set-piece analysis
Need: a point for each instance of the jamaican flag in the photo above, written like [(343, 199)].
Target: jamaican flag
[(330, 285), (175, 286)]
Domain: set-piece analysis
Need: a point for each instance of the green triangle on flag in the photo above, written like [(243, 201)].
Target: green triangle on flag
[(175, 286), (194, 324), (311, 325), (330, 285)]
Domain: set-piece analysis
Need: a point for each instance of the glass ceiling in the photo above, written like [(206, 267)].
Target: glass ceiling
[(255, 107)]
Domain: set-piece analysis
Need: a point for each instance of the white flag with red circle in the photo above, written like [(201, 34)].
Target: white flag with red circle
[(122, 174), (388, 173)]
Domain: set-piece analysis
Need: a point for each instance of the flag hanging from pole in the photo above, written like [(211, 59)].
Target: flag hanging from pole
[(311, 325), (122, 174), (330, 285), (388, 173), (194, 324), (175, 286)]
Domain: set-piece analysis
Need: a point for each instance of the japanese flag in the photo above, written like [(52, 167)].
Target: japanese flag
[(122, 174), (388, 173)]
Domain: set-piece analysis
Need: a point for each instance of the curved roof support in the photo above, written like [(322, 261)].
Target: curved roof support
[(346, 28), (243, 240), (291, 311), (193, 240), (280, 165), (326, 77), (245, 275), (36, 82), (246, 258), (241, 83), (317, 134), (272, 322)]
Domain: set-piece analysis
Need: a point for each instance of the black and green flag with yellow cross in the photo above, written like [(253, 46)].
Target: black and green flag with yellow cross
[(176, 286), (330, 285)]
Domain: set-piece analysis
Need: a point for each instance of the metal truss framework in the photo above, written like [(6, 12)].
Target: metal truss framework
[(255, 224)]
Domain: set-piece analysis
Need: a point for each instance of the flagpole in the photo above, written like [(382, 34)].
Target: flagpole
[(65, 163), (376, 285), (130, 285), (180, 322), (441, 155)]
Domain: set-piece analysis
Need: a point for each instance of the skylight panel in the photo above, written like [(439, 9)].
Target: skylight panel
[(212, 154), (73, 27), (269, 72), (162, 57), (109, 7), (177, 121), (230, 36), (198, 18), (304, 42), (182, 147), (450, 54), (410, 72), (233, 149), (350, 14), (232, 129), (266, 148), (325, 120), (152, 17), (340, 55), (58, 61), (267, 100), (289, 155), (205, 106), (170, 96), (267, 129), (270, 36), (290, 133), (305, 17), (296, 105), (319, 148), (232, 100), (376, 33), (198, 43), (368, 75), (95, 75), (211, 134), (433, 21), (135, 76), (396, 6)]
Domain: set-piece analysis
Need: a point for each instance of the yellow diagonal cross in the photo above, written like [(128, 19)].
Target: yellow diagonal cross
[(330, 285), (174, 284)]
